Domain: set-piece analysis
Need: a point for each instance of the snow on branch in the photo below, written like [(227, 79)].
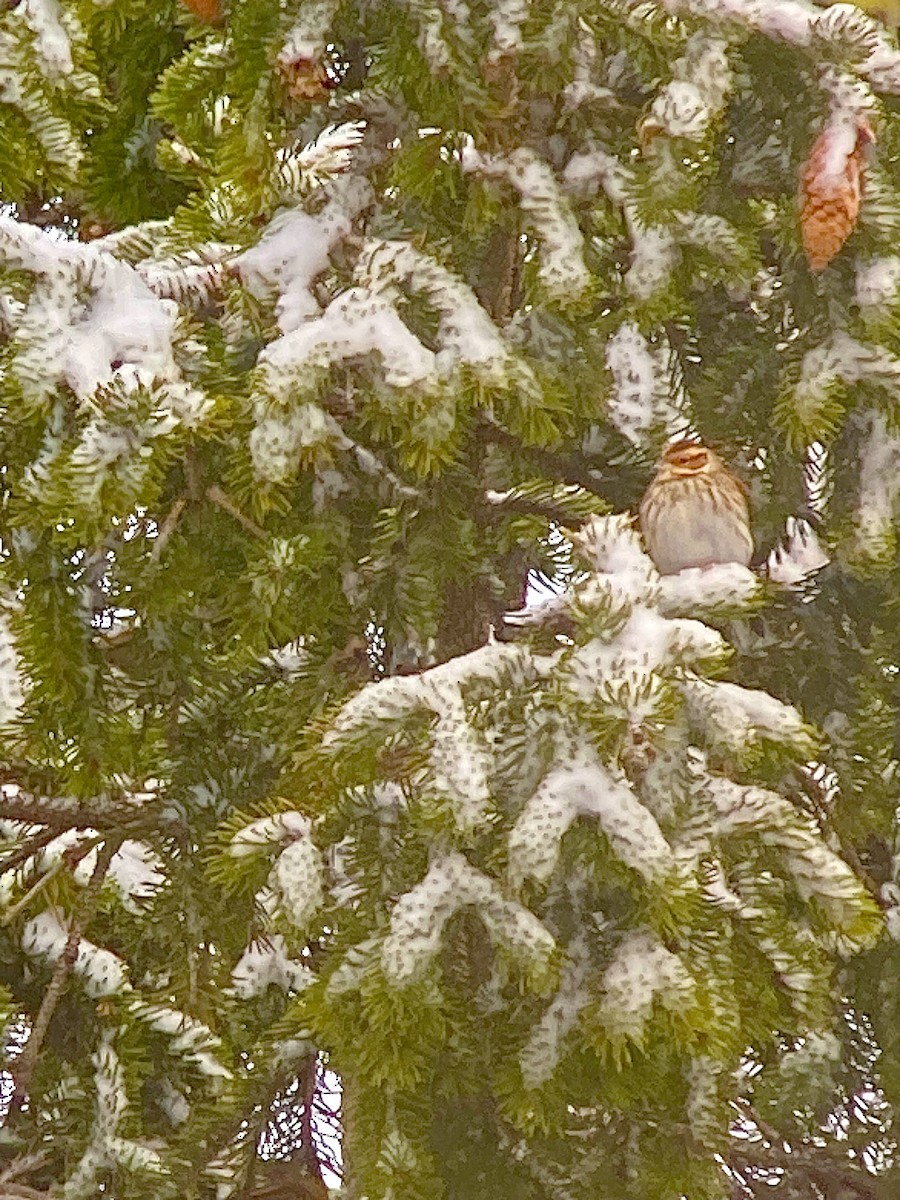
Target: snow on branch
[(654, 250), (816, 870), (107, 1148), (297, 882), (266, 832), (641, 403), (686, 105), (12, 692), (839, 27), (306, 165), (733, 717), (190, 1037), (841, 360), (877, 284), (642, 973), (306, 39), (37, 36), (294, 249), (266, 963), (540, 1055), (586, 788), (507, 18), (561, 264), (465, 331), (451, 883), (92, 322), (103, 973), (797, 556), (458, 758), (51, 40), (879, 488)]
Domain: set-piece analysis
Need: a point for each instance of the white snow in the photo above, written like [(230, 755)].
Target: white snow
[(451, 883), (877, 282), (106, 1147), (330, 153), (654, 251), (507, 18), (11, 683), (561, 263), (135, 869), (539, 1057), (266, 963), (641, 400), (839, 140), (44, 19), (796, 22), (265, 832), (647, 645), (678, 110), (844, 358), (103, 973), (292, 659), (297, 882), (355, 324), (642, 973), (818, 872), (697, 590), (190, 1037), (585, 787), (879, 488), (91, 321), (465, 331), (735, 717), (797, 556), (306, 39), (292, 252), (459, 762)]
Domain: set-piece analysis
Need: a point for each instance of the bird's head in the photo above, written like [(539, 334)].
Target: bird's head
[(686, 457)]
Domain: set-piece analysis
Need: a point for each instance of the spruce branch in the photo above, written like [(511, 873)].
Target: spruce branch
[(36, 888), (28, 849), (65, 812), (564, 466), (27, 1061), (22, 1165), (224, 501), (168, 527), (19, 1191), (502, 504)]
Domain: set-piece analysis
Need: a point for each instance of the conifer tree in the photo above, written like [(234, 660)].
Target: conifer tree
[(327, 328)]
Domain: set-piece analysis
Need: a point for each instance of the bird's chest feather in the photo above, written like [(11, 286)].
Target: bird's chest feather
[(697, 531)]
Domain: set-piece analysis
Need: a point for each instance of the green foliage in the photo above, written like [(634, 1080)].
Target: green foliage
[(326, 328)]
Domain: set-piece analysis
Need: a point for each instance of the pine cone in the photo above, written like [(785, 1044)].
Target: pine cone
[(305, 78), (205, 10), (831, 187)]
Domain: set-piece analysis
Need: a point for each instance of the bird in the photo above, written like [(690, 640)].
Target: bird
[(694, 512)]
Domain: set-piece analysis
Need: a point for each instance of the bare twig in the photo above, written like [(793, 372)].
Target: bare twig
[(168, 527), (370, 464), (22, 903), (19, 1191), (27, 1060), (28, 849), (22, 1165), (61, 812), (217, 496), (555, 513)]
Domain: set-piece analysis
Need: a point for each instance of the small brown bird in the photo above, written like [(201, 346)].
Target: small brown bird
[(695, 513)]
